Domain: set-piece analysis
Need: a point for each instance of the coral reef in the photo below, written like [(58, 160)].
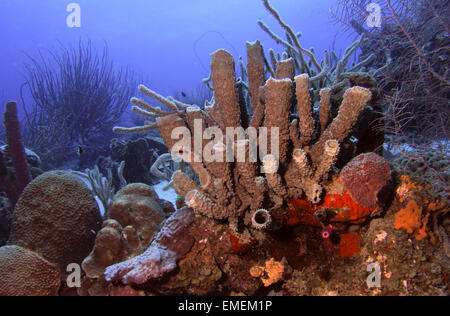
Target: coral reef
[(282, 191), (101, 187), (411, 48), (56, 217), (138, 205), (430, 167)]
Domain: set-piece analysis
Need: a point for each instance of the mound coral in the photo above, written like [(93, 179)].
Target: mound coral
[(56, 217), (113, 244), (139, 206), (25, 273), (135, 217)]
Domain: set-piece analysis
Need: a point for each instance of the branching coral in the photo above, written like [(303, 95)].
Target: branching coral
[(101, 187), (327, 72)]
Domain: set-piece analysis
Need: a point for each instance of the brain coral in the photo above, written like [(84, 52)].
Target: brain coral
[(25, 273), (57, 217)]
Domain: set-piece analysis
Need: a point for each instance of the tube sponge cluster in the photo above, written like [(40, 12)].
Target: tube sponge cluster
[(308, 148)]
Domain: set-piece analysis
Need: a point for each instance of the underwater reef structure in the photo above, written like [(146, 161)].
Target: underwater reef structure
[(236, 190), (17, 166), (171, 244), (131, 227), (138, 155), (273, 148)]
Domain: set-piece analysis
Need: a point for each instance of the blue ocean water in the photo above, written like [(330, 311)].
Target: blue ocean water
[(167, 42)]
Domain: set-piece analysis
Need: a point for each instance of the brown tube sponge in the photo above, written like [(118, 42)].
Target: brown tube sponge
[(354, 101), (182, 184), (325, 108), (285, 69), (260, 189), (165, 126), (223, 77), (258, 112), (255, 70), (278, 104), (204, 205), (306, 120), (329, 155), (273, 178), (245, 169)]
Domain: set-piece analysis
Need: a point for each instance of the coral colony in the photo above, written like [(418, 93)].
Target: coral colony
[(281, 189)]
